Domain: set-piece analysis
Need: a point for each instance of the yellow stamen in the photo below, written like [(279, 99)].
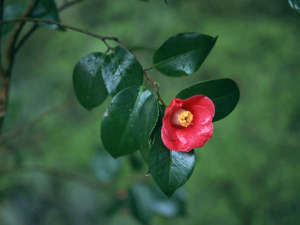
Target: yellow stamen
[(182, 118)]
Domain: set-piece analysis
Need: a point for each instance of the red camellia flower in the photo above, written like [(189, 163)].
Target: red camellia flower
[(187, 124)]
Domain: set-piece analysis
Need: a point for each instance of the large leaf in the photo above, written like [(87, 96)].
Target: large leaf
[(183, 53), (295, 4), (88, 84), (121, 70), (129, 120), (170, 169), (46, 9), (223, 92), (145, 201)]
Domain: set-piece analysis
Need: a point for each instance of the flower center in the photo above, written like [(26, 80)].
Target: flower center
[(182, 118)]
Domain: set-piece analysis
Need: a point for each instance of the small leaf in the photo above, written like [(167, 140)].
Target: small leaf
[(295, 4), (129, 120), (170, 169), (183, 53), (223, 92), (104, 166), (121, 70), (47, 9), (88, 84)]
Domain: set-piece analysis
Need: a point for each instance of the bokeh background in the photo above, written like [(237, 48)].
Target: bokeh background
[(54, 169)]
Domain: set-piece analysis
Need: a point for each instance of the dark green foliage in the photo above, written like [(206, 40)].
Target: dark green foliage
[(295, 4), (88, 84), (121, 70), (170, 169), (183, 53), (129, 120), (224, 93), (46, 9)]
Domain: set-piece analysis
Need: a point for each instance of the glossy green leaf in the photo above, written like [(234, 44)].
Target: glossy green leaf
[(295, 4), (105, 167), (129, 120), (145, 201), (170, 169), (145, 150), (88, 84), (183, 53), (46, 9), (223, 92), (121, 70)]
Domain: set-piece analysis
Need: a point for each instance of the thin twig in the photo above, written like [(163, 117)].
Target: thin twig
[(36, 20), (26, 37), (10, 53), (36, 26), (155, 86)]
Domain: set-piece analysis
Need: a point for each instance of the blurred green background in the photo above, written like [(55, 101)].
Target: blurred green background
[(248, 173)]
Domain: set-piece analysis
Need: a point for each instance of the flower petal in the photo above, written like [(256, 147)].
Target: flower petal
[(198, 133)]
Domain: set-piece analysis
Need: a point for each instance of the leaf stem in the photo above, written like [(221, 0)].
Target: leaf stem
[(150, 68), (155, 86)]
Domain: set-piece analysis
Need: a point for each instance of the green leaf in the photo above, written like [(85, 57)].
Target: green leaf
[(145, 201), (170, 169), (129, 121), (145, 150), (46, 9), (104, 166), (88, 84), (295, 4), (223, 92), (183, 53), (121, 70)]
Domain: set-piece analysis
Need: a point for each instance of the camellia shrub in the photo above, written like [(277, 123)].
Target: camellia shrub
[(137, 118)]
